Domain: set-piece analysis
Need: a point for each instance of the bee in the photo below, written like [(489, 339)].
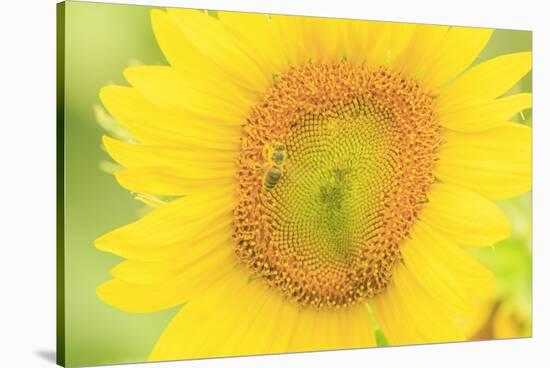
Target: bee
[(274, 156), (272, 177)]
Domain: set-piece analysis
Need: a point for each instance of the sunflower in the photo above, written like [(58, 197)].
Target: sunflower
[(316, 178)]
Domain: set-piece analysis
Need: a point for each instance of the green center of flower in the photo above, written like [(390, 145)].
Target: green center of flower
[(334, 167), (333, 181)]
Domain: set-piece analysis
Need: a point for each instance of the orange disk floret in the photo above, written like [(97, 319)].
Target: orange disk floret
[(349, 162)]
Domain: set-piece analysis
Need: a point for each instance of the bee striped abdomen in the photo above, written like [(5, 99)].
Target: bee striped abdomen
[(272, 177)]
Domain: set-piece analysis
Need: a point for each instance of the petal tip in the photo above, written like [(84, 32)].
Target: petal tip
[(107, 242)]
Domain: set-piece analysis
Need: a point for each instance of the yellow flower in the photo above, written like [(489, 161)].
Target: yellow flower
[(511, 321), (318, 169)]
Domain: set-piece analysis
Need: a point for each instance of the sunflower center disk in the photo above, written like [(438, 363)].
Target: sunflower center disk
[(335, 165)]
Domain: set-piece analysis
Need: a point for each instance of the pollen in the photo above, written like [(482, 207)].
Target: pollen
[(335, 165)]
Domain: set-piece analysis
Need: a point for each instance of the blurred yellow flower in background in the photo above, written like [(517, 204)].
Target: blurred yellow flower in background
[(509, 323), (510, 261)]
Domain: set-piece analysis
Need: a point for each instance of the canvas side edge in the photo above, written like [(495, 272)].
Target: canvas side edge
[(60, 184)]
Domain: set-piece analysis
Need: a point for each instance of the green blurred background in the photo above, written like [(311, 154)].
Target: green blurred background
[(103, 39)]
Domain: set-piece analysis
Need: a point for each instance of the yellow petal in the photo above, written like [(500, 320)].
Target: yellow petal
[(487, 80), (391, 40), (169, 248), (259, 37), (289, 31), (409, 314), (212, 324), (477, 114), (450, 274), (150, 124), (174, 91), (323, 37), (332, 329), (265, 334), (180, 52), (184, 56), (171, 182), (464, 216), (176, 224), (133, 156), (423, 43), (495, 163), (401, 36), (357, 40), (209, 35), (379, 40), (362, 333), (176, 261), (458, 49), (190, 283)]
